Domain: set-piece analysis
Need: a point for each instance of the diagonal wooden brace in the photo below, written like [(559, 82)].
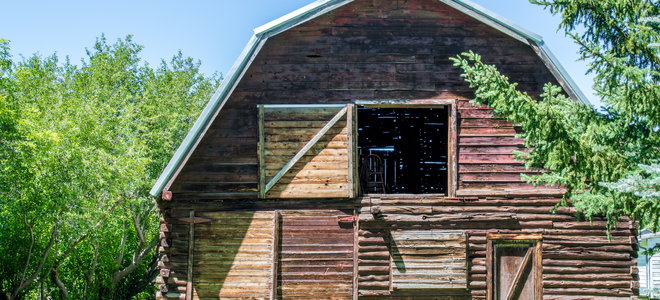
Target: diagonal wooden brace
[(304, 149), (515, 286)]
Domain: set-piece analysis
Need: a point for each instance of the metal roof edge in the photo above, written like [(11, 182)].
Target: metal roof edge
[(493, 19), (570, 84), (649, 236), (530, 38), (298, 16), (210, 110)]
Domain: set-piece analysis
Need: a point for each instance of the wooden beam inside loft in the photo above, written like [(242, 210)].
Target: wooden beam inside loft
[(260, 155), (191, 250), (275, 263)]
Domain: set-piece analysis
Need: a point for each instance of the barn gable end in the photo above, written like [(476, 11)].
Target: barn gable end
[(298, 172)]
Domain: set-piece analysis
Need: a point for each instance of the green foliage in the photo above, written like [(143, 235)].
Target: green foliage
[(606, 160), (644, 182), (80, 147)]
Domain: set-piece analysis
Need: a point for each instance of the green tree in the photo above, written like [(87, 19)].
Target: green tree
[(81, 146), (607, 159)]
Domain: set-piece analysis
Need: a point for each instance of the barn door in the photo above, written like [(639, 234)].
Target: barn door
[(316, 255), (233, 255), (514, 267), (306, 151)]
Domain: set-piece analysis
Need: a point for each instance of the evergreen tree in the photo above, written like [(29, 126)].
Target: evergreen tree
[(606, 159)]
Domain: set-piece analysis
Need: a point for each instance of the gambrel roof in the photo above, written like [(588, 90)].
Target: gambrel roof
[(318, 8)]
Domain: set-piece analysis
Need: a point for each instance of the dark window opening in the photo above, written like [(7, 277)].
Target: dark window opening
[(403, 150)]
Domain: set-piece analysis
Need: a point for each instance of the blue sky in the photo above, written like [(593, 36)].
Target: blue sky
[(213, 31)]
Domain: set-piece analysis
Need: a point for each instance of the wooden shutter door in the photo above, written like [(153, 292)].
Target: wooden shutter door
[(233, 255), (514, 269), (316, 255), (428, 259), (306, 151)]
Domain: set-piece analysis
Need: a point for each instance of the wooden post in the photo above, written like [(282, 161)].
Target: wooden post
[(350, 115), (356, 157), (191, 247), (356, 236), (489, 269), (388, 241), (276, 242), (453, 138), (538, 266), (260, 155), (166, 195)]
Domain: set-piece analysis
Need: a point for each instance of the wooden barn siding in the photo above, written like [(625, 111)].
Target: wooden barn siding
[(397, 50), (316, 255), (579, 262), (485, 153), (578, 259), (364, 50), (213, 264)]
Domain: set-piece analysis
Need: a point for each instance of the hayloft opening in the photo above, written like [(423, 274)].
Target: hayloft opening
[(403, 150)]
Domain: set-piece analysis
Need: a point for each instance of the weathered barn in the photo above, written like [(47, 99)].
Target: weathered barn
[(341, 159)]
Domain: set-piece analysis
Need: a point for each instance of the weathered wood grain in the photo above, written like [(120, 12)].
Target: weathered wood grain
[(316, 256), (236, 262), (290, 146), (428, 259)]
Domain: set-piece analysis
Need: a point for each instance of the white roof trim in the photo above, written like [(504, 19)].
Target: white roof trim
[(313, 10), (558, 70), (299, 16)]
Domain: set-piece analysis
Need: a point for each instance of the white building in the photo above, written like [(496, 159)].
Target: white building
[(649, 266)]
